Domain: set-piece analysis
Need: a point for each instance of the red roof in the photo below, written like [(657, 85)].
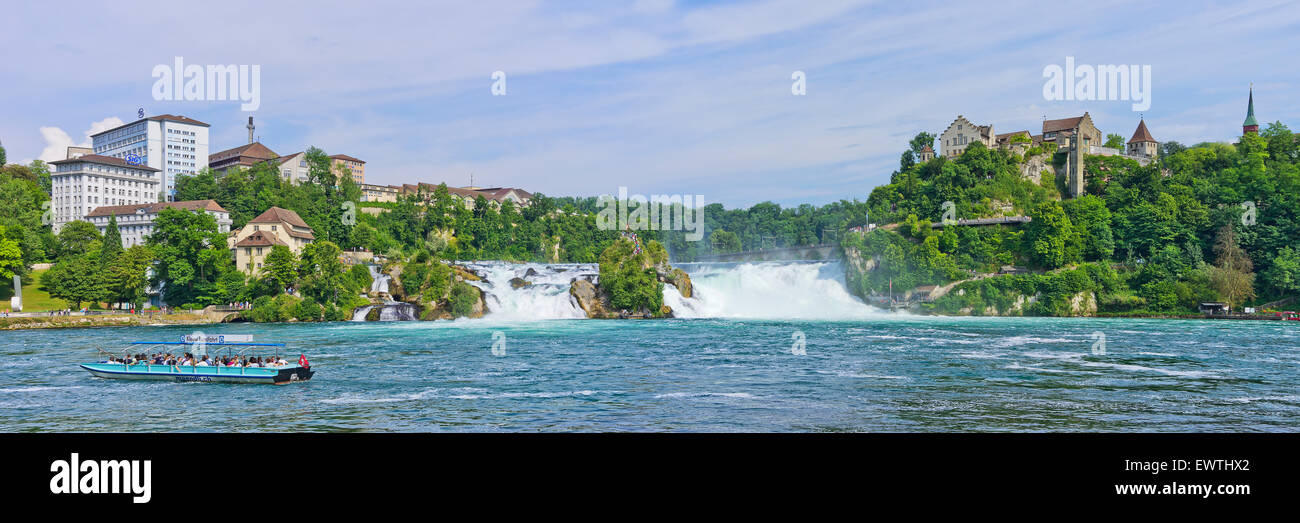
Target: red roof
[(103, 160), (153, 208), (1141, 134), (259, 239), (277, 215), (1051, 126), (346, 157)]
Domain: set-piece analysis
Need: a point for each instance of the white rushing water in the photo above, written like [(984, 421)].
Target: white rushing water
[(391, 310), (776, 290), (547, 296), (379, 280)]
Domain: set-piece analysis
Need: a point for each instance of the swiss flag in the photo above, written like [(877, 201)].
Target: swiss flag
[(302, 361)]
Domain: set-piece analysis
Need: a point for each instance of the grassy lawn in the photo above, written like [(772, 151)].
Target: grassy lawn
[(34, 299)]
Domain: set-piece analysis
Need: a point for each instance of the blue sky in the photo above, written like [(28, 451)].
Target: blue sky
[(660, 96)]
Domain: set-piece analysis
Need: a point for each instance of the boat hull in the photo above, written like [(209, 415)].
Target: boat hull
[(254, 375)]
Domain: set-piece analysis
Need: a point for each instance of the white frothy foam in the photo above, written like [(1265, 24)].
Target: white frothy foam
[(768, 290)]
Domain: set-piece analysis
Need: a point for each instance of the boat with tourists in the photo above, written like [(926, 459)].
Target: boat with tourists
[(205, 359)]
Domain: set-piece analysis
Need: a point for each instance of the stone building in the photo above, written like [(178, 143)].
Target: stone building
[(1074, 136), (1142, 144), (961, 133)]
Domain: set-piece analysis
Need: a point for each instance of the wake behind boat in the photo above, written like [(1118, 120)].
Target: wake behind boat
[(239, 364)]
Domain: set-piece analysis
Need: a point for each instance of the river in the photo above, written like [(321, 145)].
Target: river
[(768, 347)]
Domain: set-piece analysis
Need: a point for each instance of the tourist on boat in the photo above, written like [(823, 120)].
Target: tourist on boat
[(203, 362)]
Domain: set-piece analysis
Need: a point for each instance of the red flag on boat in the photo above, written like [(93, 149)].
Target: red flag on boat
[(302, 361)]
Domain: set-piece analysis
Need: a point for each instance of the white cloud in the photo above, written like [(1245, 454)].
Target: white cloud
[(57, 140)]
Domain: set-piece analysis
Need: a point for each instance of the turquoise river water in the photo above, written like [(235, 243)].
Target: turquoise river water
[(829, 364)]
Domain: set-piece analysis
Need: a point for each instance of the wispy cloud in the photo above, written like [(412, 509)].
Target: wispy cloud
[(661, 96)]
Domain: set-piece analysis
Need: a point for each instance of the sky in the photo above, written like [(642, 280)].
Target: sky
[(659, 96)]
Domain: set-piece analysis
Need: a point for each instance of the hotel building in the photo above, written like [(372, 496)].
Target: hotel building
[(170, 144), (135, 222), (79, 185)]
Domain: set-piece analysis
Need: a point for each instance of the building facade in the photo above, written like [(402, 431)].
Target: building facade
[(467, 195), (1142, 144), (173, 145), (135, 222), (82, 184), (1075, 136), (379, 193), (293, 167), (961, 133), (357, 168), (276, 226)]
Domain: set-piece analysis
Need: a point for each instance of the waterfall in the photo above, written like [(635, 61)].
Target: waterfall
[(760, 290), (776, 290), (546, 295), (379, 280), (391, 310)]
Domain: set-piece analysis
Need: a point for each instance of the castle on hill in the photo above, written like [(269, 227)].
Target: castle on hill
[(1076, 136)]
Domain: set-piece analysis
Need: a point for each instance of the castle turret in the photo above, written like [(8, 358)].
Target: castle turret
[(1250, 126), (1142, 144)]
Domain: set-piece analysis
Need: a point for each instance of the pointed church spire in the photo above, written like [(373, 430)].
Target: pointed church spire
[(1250, 125)]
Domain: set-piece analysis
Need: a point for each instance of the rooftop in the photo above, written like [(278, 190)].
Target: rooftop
[(159, 118), (153, 208), (103, 160)]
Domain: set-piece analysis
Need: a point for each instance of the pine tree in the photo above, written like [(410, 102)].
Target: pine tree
[(112, 243)]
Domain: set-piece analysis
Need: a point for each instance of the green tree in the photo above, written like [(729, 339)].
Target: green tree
[(1091, 218), (1052, 241), (76, 279), (1114, 141), (281, 267), (1284, 274), (126, 277), (112, 242), (78, 238), (191, 256), (11, 256), (630, 278), (322, 272), (1233, 275)]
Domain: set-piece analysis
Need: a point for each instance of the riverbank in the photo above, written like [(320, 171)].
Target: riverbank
[(108, 320)]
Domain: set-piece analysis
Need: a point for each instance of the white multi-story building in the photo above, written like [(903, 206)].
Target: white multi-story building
[(171, 144), (135, 222), (79, 185)]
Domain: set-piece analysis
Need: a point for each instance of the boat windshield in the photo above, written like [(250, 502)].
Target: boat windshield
[(198, 353)]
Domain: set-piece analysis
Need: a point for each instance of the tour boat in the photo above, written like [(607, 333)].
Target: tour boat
[(281, 375)]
